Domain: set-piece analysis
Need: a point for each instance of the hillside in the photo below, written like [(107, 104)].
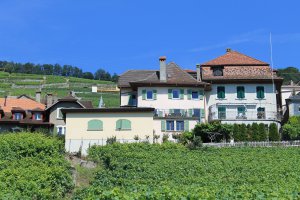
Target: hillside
[(16, 84)]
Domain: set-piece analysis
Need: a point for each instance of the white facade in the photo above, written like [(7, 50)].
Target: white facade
[(294, 108), (250, 103)]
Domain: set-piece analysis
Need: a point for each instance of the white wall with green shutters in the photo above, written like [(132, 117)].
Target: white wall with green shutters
[(231, 100), (164, 101)]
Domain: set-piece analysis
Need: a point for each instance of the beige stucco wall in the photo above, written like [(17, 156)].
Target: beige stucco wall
[(77, 134), (53, 112)]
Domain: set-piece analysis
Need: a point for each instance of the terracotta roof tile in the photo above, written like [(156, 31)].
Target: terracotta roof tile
[(234, 58), (24, 104)]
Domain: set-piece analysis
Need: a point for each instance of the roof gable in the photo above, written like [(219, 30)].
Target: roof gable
[(234, 58)]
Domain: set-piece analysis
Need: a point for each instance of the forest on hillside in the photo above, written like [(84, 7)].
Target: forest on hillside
[(56, 69), (288, 74)]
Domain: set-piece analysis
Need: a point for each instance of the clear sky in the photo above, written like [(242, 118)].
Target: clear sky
[(119, 35)]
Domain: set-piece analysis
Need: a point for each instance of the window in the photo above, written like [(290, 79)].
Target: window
[(170, 125), (221, 92), (195, 95), (59, 113), (218, 71), (175, 94), (196, 113), (241, 112), (261, 114), (179, 125), (61, 130), (123, 124), (260, 92), (18, 116), (240, 92), (95, 125), (38, 116), (221, 112), (132, 100), (149, 94)]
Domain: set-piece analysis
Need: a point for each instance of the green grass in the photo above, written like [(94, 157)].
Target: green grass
[(55, 79), (27, 83), (111, 99), (171, 171)]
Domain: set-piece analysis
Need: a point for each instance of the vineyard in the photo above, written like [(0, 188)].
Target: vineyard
[(32, 166), (171, 171)]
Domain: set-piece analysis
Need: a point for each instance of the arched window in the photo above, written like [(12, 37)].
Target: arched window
[(123, 124), (95, 125)]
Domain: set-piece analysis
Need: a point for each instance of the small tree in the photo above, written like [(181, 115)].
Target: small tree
[(237, 133), (291, 130), (255, 132), (111, 140), (165, 138), (262, 133), (273, 132), (249, 132), (243, 132)]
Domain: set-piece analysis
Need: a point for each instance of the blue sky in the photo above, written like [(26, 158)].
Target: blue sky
[(119, 35)]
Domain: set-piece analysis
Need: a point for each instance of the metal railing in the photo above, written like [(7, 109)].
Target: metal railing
[(294, 143), (178, 113), (247, 115)]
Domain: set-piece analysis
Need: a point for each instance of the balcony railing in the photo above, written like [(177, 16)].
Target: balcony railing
[(178, 113), (247, 115)]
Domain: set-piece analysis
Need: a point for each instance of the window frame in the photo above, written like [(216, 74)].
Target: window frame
[(224, 90), (198, 95), (172, 125), (152, 95), (243, 92), (38, 114), (18, 114), (180, 122), (216, 69), (178, 92), (63, 129), (221, 112), (58, 112)]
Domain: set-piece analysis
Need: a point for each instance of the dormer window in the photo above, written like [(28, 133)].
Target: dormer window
[(18, 116), (218, 71), (37, 116)]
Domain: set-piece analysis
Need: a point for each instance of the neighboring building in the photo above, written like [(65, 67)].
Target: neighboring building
[(54, 114), (288, 91), (244, 89), (293, 104), (94, 126), (23, 113), (178, 97)]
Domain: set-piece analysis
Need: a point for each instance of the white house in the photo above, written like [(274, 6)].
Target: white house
[(244, 89), (178, 97)]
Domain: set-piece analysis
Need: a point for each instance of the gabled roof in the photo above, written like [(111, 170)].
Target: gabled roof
[(133, 75), (70, 98), (22, 103), (175, 76), (234, 58)]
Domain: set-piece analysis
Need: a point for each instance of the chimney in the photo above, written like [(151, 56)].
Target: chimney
[(49, 100), (162, 69), (38, 96), (228, 50), (198, 72)]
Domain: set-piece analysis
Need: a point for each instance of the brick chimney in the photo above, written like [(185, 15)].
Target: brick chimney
[(38, 96), (198, 72), (162, 69), (49, 100)]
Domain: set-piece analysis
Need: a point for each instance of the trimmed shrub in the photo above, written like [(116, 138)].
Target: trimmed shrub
[(255, 132), (262, 132), (236, 133), (273, 132), (243, 132), (249, 132)]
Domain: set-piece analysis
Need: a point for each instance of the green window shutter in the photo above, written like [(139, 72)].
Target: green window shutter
[(190, 112), (201, 94), (163, 125), (181, 94), (202, 113), (260, 92), (221, 92), (126, 124), (119, 124), (95, 125), (170, 93), (189, 94), (240, 92), (186, 125), (171, 111), (144, 94), (182, 112), (154, 94)]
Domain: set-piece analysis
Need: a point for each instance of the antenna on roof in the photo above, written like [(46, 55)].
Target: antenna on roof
[(271, 51)]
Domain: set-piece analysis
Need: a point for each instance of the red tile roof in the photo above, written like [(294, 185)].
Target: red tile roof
[(25, 104), (234, 58)]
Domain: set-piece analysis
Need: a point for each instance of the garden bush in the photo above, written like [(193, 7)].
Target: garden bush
[(262, 132), (273, 132)]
